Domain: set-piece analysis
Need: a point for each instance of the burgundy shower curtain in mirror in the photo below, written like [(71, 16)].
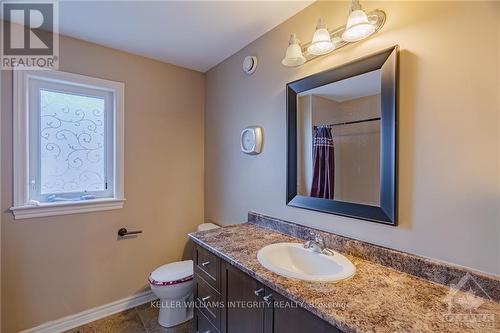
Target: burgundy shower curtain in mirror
[(323, 163)]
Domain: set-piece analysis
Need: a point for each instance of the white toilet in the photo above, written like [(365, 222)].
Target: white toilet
[(173, 285)]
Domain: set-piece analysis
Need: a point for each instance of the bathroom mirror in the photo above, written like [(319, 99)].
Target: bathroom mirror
[(342, 139)]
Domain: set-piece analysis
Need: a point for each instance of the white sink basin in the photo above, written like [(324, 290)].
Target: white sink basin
[(292, 260)]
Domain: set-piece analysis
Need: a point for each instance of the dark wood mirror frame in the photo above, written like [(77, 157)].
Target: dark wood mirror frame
[(387, 62)]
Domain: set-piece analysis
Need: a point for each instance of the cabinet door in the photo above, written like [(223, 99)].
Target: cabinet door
[(285, 316), (244, 311)]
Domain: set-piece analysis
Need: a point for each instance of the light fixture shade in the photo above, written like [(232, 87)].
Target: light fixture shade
[(358, 26), (293, 56), (321, 42)]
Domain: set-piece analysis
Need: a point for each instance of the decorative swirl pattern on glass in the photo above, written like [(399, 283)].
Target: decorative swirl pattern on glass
[(72, 135)]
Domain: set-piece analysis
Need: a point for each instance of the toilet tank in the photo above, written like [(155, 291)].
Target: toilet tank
[(207, 226)]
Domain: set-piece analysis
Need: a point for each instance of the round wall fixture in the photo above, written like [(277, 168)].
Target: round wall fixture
[(251, 140), (249, 64)]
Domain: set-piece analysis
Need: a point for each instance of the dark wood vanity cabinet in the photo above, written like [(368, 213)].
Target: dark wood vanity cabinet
[(294, 319), (242, 295), (233, 302)]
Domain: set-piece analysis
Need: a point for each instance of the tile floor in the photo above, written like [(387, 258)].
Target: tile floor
[(142, 319)]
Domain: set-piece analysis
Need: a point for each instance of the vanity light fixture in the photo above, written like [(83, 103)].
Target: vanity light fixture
[(321, 42), (293, 56), (360, 25)]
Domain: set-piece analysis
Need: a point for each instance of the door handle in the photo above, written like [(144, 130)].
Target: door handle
[(258, 291), (206, 298), (124, 232), (267, 298), (205, 264)]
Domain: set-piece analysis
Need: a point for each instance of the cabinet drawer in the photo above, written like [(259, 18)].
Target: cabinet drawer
[(202, 324), (208, 266), (208, 301)]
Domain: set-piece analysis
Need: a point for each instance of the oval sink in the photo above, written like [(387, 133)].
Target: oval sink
[(294, 261)]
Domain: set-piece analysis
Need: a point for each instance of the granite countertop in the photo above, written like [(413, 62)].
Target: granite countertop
[(376, 299)]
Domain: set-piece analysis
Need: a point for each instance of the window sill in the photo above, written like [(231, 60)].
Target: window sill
[(65, 208)]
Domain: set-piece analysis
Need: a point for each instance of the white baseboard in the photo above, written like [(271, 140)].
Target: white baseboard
[(85, 317)]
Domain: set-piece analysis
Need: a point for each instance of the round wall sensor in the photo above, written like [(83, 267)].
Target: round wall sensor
[(249, 64)]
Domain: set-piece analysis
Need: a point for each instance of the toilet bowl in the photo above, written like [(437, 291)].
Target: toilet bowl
[(173, 285)]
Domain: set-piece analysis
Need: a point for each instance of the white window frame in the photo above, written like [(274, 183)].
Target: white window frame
[(23, 207)]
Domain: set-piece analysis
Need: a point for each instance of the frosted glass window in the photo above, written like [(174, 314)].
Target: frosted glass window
[(72, 143), (68, 140)]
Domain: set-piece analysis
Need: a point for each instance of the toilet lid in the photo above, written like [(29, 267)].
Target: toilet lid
[(172, 273)]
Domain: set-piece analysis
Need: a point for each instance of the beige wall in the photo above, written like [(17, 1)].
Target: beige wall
[(304, 144), (449, 176), (57, 266), (323, 110)]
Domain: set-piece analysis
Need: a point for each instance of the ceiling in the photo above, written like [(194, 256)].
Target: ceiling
[(192, 34), (366, 84)]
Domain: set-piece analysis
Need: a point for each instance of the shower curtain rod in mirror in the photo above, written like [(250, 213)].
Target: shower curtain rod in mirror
[(353, 122)]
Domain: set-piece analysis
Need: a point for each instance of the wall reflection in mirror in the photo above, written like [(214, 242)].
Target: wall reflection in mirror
[(338, 140)]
